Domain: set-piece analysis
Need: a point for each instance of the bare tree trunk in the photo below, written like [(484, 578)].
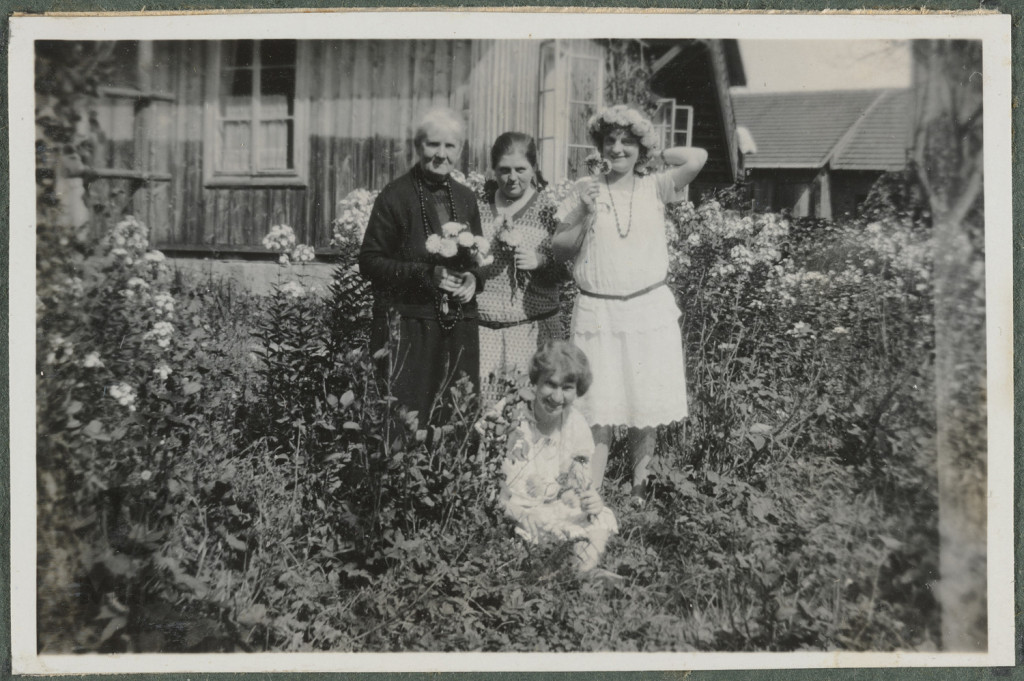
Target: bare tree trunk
[(948, 159)]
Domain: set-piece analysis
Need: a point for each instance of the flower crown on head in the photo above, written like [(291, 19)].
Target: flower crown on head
[(626, 118)]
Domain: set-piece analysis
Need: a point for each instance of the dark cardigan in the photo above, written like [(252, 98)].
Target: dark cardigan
[(394, 254)]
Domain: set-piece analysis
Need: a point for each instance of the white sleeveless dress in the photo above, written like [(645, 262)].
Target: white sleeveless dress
[(635, 346)]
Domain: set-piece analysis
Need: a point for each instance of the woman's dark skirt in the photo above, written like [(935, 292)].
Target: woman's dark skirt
[(426, 361)]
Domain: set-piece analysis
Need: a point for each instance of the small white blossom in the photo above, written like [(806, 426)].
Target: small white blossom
[(433, 244), (128, 239), (303, 253), (800, 329), (92, 361), (61, 350), (448, 248), (161, 333), (163, 370), (451, 229), (280, 238), (124, 394), (163, 303), (293, 289), (74, 287)]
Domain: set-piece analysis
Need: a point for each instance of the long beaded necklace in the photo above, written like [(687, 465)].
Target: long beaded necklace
[(629, 225), (441, 298)]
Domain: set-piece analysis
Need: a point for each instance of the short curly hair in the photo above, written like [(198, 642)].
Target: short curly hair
[(556, 355), (622, 117)]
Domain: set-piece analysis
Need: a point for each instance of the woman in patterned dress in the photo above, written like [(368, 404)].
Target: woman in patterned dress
[(518, 310)]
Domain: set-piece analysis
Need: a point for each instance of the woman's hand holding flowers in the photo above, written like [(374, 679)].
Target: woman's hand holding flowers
[(588, 190), (461, 285), (528, 258), (590, 502), (465, 287), (443, 278)]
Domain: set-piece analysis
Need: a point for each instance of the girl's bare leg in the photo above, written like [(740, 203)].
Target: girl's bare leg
[(598, 463), (641, 447)]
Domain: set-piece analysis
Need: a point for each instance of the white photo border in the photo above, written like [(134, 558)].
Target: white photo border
[(990, 28)]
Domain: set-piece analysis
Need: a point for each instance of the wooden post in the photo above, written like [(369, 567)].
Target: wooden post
[(948, 160), (824, 208), (141, 156)]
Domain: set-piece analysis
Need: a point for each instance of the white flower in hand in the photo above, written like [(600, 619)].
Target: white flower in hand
[(448, 248)]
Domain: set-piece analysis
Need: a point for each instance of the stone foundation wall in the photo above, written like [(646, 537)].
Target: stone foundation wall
[(257, 277)]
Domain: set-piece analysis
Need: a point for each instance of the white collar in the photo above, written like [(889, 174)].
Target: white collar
[(501, 207)]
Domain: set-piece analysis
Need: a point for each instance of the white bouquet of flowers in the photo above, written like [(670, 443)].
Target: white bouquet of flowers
[(459, 245)]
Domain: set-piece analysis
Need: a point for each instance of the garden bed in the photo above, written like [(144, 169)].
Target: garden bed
[(222, 471)]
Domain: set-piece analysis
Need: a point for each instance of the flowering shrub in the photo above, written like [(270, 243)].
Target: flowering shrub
[(281, 239), (791, 305), (475, 180), (349, 227), (128, 387)]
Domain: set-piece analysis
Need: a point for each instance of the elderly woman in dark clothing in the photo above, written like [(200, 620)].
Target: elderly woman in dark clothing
[(435, 301)]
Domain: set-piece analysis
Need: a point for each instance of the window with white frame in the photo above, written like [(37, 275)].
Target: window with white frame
[(571, 91), (674, 123), (256, 113)]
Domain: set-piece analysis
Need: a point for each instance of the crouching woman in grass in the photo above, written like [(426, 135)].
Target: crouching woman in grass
[(548, 488)]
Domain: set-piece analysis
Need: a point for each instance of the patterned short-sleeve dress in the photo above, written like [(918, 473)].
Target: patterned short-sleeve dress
[(517, 310), (543, 477), (625, 318)]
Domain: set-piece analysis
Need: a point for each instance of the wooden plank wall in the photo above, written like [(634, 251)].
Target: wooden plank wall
[(368, 96), (692, 82), (365, 97), (504, 86)]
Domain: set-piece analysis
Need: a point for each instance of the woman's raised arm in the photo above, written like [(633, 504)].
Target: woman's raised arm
[(684, 163)]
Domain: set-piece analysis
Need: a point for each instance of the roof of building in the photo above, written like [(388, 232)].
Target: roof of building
[(848, 129)]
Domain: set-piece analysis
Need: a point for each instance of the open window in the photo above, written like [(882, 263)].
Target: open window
[(256, 112), (674, 123), (571, 91)]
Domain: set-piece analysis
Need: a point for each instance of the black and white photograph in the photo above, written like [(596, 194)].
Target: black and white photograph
[(509, 340)]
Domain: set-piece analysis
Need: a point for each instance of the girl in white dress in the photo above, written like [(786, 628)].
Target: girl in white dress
[(625, 318), (548, 487)]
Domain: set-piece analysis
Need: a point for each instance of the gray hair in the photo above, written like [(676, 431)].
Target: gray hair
[(440, 118)]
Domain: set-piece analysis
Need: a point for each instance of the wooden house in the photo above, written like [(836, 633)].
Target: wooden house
[(216, 141), (818, 153)]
